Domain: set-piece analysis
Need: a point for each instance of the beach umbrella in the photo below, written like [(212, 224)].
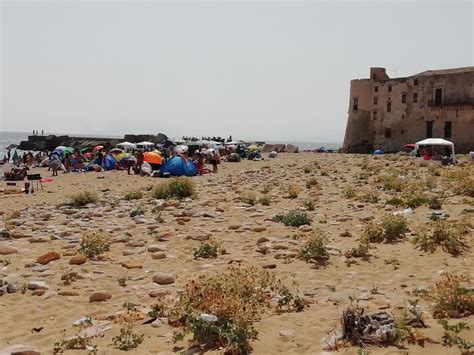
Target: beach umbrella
[(64, 150), (252, 147), (152, 158), (181, 149), (411, 146), (116, 151), (87, 155), (378, 152), (85, 150), (97, 148)]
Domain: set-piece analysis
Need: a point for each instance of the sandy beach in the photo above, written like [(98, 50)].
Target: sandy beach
[(149, 244)]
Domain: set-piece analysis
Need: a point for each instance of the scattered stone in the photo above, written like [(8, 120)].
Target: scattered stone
[(288, 333), (100, 296), (20, 349), (153, 248), (305, 228), (37, 285), (132, 264), (259, 229), (39, 292), (6, 250), (163, 278), (48, 257), (78, 260), (160, 255)]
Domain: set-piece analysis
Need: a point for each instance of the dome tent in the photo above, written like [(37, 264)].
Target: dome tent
[(179, 166)]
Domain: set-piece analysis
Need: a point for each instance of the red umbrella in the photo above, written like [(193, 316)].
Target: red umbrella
[(412, 146), (97, 148)]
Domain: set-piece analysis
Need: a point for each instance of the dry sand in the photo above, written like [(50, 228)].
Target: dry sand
[(49, 226)]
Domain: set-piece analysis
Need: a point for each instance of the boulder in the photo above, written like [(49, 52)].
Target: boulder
[(100, 296), (162, 278), (48, 257)]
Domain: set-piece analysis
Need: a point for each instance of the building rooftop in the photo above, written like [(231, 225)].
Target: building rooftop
[(446, 71)]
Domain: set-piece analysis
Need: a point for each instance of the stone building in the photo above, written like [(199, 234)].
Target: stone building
[(387, 113)]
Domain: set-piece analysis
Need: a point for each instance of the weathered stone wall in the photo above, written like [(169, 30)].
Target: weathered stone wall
[(375, 127)]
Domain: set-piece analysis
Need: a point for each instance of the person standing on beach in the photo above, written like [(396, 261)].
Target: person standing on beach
[(8, 154), (140, 160), (214, 161)]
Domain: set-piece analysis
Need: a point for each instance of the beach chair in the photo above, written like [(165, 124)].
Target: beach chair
[(35, 180)]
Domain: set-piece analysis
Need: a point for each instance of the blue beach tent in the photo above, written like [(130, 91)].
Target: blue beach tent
[(179, 166)]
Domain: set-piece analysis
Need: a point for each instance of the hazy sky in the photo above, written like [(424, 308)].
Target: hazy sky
[(272, 70)]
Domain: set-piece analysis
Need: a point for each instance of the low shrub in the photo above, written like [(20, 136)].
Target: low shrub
[(394, 227), (452, 299), (293, 218), (180, 187), (390, 182), (370, 197), (373, 233), (265, 200), (293, 191), (83, 198), (314, 249), (451, 336), (307, 169), (137, 212), (94, 244), (249, 199), (349, 192), (394, 201), (309, 204), (451, 237), (361, 251), (133, 195), (127, 339), (220, 310), (434, 203), (312, 182), (208, 250)]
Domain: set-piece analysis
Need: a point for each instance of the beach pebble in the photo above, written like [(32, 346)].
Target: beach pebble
[(100, 296), (132, 264), (153, 248), (288, 333), (159, 255), (78, 260), (305, 228), (6, 250), (20, 349), (162, 278), (37, 285), (48, 257)]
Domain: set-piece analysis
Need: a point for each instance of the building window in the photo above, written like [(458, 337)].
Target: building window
[(415, 97), (355, 106), (390, 88), (429, 129), (388, 132), (374, 115), (438, 96), (403, 117), (376, 89), (403, 131), (389, 106), (404, 98), (447, 129), (415, 82), (376, 100)]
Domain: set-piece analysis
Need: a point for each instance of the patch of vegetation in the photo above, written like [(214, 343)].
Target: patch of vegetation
[(394, 201), (451, 336), (452, 299), (434, 203), (293, 191), (82, 198), (94, 244), (122, 281), (450, 237), (179, 188), (394, 227), (415, 202), (307, 169), (391, 183), (349, 192), (69, 277), (137, 212), (127, 339), (312, 182), (133, 195), (370, 197), (309, 204), (361, 251), (220, 310), (158, 310), (208, 250), (373, 233), (463, 181), (293, 218), (249, 199), (265, 200), (314, 249)]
